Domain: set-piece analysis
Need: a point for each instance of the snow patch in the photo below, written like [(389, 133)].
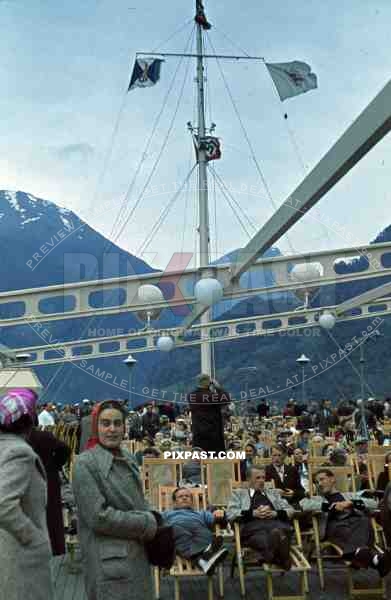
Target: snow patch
[(66, 222), (30, 220), (11, 197)]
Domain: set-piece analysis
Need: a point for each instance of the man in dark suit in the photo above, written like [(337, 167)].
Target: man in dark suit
[(150, 422), (206, 403), (286, 478), (264, 519), (344, 520)]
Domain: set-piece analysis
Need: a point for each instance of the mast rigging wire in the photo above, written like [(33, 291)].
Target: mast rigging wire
[(251, 223), (163, 215), (163, 147), (246, 136), (123, 207), (243, 226), (130, 188)]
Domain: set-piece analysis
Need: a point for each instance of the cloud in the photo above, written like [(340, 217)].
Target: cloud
[(75, 153)]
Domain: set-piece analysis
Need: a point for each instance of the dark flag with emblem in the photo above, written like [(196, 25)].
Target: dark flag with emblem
[(200, 17), (292, 79), (146, 72), (211, 145)]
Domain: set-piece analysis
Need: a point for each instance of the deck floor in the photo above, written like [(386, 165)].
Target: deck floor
[(69, 586)]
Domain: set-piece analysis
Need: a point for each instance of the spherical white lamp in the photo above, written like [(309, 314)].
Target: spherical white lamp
[(208, 291), (165, 343), (306, 272), (327, 320), (149, 293)]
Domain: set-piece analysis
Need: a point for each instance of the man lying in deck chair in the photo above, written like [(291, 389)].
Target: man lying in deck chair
[(345, 522), (264, 517), (193, 535)]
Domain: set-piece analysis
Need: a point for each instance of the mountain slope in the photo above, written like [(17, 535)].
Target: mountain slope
[(42, 244)]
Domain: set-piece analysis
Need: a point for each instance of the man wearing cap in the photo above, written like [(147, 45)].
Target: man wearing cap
[(206, 403)]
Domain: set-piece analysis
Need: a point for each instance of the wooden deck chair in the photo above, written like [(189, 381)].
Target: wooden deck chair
[(376, 464), (156, 472), (259, 461), (374, 448), (246, 558), (375, 467), (70, 437), (346, 482), (345, 476), (326, 550), (316, 448), (182, 567), (218, 476), (386, 427)]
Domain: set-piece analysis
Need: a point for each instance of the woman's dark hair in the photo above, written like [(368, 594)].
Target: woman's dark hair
[(115, 405), (20, 427)]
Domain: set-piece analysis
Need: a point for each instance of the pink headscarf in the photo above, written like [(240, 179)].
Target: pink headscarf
[(16, 403)]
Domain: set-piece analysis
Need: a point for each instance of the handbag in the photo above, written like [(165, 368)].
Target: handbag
[(161, 549)]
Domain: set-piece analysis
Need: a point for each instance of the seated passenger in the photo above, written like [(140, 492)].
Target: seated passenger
[(286, 478), (193, 535), (264, 519), (345, 522)]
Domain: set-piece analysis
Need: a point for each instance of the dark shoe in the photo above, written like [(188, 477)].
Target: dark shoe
[(217, 543), (384, 564), (208, 566), (213, 547), (362, 558)]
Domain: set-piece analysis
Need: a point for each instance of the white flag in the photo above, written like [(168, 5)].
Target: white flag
[(292, 78)]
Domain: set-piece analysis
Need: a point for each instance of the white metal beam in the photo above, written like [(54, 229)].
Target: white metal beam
[(260, 325), (366, 131), (378, 256), (364, 298)]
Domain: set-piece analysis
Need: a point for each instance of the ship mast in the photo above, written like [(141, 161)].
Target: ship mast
[(203, 230)]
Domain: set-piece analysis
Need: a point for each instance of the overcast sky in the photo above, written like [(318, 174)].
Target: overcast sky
[(65, 68)]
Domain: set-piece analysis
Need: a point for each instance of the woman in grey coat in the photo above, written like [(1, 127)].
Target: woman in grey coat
[(114, 519), (24, 541)]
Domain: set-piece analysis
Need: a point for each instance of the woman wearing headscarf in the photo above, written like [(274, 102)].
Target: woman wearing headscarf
[(24, 540), (114, 520)]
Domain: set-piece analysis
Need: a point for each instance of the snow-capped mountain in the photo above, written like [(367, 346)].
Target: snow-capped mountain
[(42, 244)]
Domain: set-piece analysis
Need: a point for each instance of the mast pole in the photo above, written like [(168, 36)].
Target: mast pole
[(206, 354)]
